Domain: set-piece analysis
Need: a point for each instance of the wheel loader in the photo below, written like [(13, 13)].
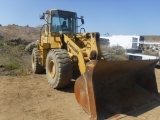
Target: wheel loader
[(103, 88)]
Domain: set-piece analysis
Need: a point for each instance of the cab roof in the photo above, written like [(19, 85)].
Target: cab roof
[(62, 10)]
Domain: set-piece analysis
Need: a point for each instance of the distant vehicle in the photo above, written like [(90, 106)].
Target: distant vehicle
[(155, 48)]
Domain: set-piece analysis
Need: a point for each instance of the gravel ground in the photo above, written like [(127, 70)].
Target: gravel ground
[(31, 98)]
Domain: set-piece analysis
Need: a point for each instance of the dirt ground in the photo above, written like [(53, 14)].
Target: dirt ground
[(31, 98)]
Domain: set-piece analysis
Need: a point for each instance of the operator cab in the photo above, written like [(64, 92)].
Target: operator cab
[(63, 22)]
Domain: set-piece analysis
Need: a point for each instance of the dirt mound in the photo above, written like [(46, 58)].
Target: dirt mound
[(33, 33), (24, 32), (152, 38)]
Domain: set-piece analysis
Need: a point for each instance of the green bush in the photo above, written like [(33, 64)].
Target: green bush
[(15, 59), (11, 64), (2, 43)]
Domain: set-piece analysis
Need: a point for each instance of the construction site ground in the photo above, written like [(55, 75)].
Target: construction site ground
[(31, 98)]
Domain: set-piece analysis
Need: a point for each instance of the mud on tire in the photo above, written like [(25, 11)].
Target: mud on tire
[(36, 67), (58, 68)]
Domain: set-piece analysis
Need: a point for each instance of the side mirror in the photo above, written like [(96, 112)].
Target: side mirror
[(42, 16), (82, 20)]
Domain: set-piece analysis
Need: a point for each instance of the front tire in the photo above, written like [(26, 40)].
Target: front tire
[(36, 66), (58, 68)]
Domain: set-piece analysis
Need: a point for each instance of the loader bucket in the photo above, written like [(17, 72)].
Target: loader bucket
[(108, 89)]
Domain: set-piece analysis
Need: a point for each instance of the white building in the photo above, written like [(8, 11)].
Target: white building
[(126, 41)]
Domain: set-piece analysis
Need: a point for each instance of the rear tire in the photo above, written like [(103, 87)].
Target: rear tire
[(36, 67), (58, 68)]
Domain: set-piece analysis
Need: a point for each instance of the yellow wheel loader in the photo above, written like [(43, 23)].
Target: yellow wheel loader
[(103, 88)]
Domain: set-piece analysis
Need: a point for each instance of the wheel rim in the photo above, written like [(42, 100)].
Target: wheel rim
[(52, 69)]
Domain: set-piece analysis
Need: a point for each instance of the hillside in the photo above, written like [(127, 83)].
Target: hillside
[(32, 33), (24, 32), (152, 38)]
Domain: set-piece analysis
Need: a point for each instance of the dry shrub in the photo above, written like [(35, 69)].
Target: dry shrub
[(117, 52), (30, 46), (151, 52)]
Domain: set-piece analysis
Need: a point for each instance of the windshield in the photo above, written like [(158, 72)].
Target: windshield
[(64, 22)]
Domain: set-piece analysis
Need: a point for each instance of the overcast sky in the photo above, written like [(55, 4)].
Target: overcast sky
[(129, 17)]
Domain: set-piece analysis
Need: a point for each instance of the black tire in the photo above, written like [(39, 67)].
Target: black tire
[(36, 67), (58, 68)]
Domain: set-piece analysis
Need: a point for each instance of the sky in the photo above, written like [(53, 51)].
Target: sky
[(116, 17)]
